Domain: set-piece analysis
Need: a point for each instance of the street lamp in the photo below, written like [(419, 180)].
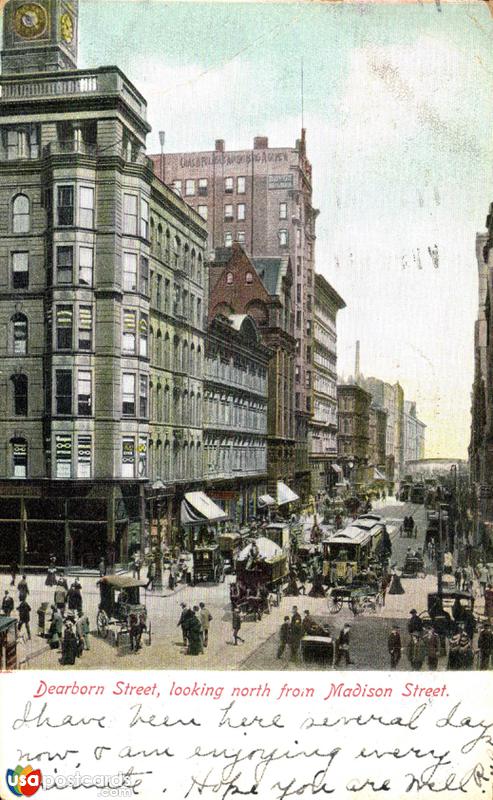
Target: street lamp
[(158, 582), (162, 139)]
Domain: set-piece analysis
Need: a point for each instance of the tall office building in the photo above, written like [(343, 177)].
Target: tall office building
[(262, 198)]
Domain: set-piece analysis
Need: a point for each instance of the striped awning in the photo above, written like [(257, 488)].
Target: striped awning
[(265, 500), (285, 494), (197, 507)]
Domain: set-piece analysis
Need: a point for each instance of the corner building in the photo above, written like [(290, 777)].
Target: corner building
[(79, 202), (262, 198)]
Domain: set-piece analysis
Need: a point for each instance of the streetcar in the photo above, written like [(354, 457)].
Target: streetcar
[(418, 493), (362, 544)]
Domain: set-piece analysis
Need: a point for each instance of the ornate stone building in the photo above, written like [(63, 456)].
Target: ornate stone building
[(323, 425), (261, 288), (354, 433), (261, 197), (235, 415), (80, 416)]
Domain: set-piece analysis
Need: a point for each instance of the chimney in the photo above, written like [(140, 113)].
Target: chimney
[(260, 143), (219, 146), (357, 363)]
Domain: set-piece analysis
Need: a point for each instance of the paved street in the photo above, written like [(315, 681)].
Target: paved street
[(368, 637)]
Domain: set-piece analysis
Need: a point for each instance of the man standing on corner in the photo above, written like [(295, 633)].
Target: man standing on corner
[(343, 645)]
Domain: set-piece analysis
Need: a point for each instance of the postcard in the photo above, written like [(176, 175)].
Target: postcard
[(246, 487)]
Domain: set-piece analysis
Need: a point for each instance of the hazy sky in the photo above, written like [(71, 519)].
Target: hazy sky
[(399, 117)]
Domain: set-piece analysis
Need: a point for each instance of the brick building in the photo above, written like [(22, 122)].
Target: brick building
[(80, 416), (354, 433), (235, 415), (261, 288), (262, 198), (378, 439), (414, 434), (323, 425)]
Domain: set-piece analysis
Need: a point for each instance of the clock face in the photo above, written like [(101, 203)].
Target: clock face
[(67, 28), (30, 20)]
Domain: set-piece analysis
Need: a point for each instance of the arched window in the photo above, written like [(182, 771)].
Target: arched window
[(177, 251), (199, 360), (19, 334), (193, 420), (19, 383), (166, 351), (159, 347), (229, 278), (166, 404), (249, 277), (176, 353), (168, 245), (186, 257), (199, 269), (19, 458), (185, 357), (192, 359), (184, 408), (21, 215), (192, 264), (159, 236), (166, 461)]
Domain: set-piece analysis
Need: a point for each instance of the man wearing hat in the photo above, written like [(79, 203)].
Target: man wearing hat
[(432, 642), (394, 646), (485, 645), (415, 624), (342, 648), (184, 621)]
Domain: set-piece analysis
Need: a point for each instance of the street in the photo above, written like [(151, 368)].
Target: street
[(369, 632)]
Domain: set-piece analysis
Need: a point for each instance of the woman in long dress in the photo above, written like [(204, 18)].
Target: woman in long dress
[(194, 633), (395, 585)]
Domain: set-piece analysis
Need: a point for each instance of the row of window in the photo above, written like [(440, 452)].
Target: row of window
[(239, 413), (240, 237), (174, 406), (236, 371), (200, 186), (177, 356), (225, 457), (175, 461), (177, 255)]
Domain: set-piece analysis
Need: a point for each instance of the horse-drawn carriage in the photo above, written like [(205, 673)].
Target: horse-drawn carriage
[(229, 544), (261, 570), (359, 598), (414, 566), (120, 603), (208, 564)]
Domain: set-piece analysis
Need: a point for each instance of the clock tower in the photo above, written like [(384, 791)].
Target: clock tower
[(39, 36)]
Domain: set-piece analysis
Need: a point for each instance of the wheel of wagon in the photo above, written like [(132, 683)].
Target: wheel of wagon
[(335, 605), (102, 622)]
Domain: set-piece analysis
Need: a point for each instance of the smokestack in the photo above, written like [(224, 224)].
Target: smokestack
[(357, 363)]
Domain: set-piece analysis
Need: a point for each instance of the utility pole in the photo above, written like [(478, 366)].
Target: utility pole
[(440, 555)]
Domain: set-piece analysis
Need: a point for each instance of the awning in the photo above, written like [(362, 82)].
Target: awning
[(337, 468), (196, 507), (378, 476), (285, 494), (265, 500)]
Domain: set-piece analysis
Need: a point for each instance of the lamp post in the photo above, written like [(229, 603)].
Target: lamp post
[(162, 139), (157, 486)]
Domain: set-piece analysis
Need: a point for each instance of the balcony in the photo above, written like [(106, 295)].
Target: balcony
[(107, 81)]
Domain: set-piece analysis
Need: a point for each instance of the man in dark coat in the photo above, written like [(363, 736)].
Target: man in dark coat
[(485, 646), (23, 589), (342, 645), (284, 636), (24, 611), (296, 633), (7, 604), (415, 624), (432, 642), (394, 645), (69, 646), (236, 625), (183, 622)]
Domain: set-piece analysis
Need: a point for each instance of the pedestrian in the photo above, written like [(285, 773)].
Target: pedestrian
[(236, 623), (185, 615), (384, 585), (62, 580), (415, 624), (14, 569), (83, 628), (458, 578), (56, 628), (416, 650), (22, 589), (296, 633), (485, 645), (483, 578), (24, 611), (102, 567), (151, 574), (74, 598), (488, 602), (7, 604), (394, 644), (395, 586), (60, 597), (284, 636), (69, 646), (464, 579), (205, 617), (342, 645), (195, 634), (432, 643), (460, 654), (136, 567)]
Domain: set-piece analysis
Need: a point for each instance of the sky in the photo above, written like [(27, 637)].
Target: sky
[(399, 117)]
